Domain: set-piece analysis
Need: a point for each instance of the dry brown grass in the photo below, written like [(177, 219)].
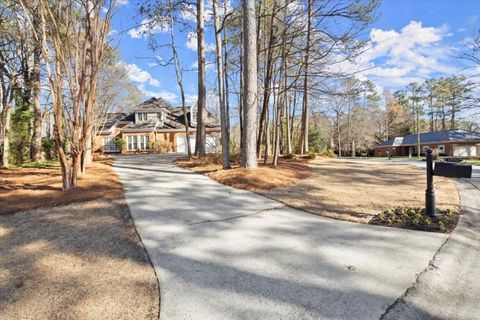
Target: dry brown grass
[(30, 188), (357, 191), (287, 173), (83, 260), (350, 191)]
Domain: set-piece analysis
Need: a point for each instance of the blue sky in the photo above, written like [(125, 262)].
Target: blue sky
[(411, 41)]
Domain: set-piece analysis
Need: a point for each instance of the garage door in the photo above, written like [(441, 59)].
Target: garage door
[(182, 144), (465, 151), (211, 144)]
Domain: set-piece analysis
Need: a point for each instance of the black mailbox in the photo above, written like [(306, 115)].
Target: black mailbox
[(452, 170)]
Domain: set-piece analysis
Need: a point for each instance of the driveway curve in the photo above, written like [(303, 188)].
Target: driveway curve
[(223, 253)]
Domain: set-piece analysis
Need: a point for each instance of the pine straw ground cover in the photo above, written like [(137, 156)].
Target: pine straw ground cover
[(83, 260), (351, 191), (287, 173), (30, 188)]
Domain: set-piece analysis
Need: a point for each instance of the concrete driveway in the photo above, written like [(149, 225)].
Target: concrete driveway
[(450, 287), (222, 253)]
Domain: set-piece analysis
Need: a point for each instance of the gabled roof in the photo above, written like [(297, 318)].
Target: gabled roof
[(153, 105), (456, 135), (174, 118), (112, 119)]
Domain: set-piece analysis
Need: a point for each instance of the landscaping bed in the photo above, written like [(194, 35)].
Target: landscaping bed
[(352, 191), (358, 191), (288, 172), (35, 187), (416, 219), (83, 260)]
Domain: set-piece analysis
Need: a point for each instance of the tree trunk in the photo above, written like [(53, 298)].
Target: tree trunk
[(267, 82), (267, 139), (303, 145), (249, 156), (444, 125), (452, 119), (227, 91), (221, 94), (179, 76), (201, 104), (418, 134), (338, 137), (240, 100), (287, 114), (6, 133), (36, 86)]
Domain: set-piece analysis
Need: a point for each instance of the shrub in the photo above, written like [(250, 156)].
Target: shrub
[(311, 155), (328, 153), (213, 158), (441, 226), (48, 147), (415, 218), (120, 144), (315, 141), (160, 147)]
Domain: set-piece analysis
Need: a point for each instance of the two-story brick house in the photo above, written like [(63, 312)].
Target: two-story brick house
[(154, 124)]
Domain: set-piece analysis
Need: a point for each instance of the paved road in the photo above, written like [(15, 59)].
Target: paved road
[(450, 287), (222, 253)]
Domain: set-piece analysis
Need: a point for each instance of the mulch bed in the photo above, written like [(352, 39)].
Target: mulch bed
[(24, 189)]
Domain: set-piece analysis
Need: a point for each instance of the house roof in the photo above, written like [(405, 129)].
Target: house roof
[(174, 118), (456, 135), (153, 105), (112, 119)]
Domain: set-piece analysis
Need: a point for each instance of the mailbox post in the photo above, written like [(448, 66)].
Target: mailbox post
[(443, 169), (430, 192)]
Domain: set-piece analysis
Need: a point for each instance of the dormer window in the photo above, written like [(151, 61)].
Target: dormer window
[(160, 116), (142, 116)]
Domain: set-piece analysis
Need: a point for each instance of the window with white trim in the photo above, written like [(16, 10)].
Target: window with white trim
[(193, 115), (160, 116), (143, 142), (109, 145), (441, 149), (131, 142), (142, 116)]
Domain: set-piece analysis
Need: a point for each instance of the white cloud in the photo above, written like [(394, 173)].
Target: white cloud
[(136, 74), (192, 43), (154, 82), (191, 98), (208, 65), (150, 26), (118, 3), (395, 58), (189, 12), (169, 96)]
